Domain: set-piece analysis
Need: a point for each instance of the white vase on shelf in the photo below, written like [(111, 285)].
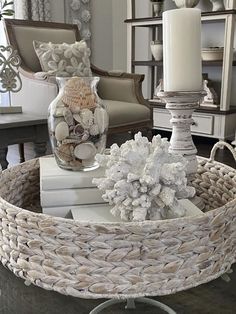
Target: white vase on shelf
[(157, 7), (186, 3), (157, 49), (217, 5)]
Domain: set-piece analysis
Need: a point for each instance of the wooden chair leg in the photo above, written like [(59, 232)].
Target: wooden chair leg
[(21, 152)]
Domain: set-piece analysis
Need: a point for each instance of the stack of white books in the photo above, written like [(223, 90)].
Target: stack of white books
[(63, 190), (72, 194), (102, 212)]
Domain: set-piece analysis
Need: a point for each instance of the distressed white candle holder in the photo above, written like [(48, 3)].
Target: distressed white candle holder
[(181, 105)]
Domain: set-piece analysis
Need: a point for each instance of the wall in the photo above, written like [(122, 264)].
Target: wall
[(108, 44), (119, 14), (102, 34)]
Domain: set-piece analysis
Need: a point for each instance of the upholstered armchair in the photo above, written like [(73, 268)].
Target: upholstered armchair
[(121, 92)]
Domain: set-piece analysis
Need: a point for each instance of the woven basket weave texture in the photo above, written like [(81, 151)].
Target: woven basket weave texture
[(117, 260)]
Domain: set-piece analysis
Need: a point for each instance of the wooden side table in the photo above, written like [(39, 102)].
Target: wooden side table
[(22, 128)]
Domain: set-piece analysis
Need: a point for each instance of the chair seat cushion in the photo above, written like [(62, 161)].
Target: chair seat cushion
[(124, 113)]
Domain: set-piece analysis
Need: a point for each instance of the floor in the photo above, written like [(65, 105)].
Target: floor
[(216, 297)]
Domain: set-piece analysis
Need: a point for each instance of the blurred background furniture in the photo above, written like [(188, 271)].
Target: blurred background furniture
[(22, 127), (121, 92), (219, 122)]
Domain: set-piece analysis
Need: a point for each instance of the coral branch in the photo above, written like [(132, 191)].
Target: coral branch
[(143, 180)]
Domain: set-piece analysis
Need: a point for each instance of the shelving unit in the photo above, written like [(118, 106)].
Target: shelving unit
[(218, 122)]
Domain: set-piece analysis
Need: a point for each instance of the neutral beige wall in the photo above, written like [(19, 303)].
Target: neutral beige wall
[(108, 44), (101, 28), (119, 14)]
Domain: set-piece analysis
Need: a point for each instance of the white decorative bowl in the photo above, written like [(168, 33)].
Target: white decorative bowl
[(212, 53), (186, 3)]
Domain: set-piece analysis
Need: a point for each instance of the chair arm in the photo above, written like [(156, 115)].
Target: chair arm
[(42, 77), (26, 72), (35, 95), (120, 86)]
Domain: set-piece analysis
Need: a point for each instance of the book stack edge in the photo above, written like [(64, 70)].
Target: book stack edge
[(62, 189)]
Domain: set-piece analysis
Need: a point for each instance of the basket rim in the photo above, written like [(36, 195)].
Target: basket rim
[(126, 224)]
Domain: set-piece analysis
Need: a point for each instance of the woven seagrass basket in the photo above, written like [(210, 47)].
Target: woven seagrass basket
[(118, 260)]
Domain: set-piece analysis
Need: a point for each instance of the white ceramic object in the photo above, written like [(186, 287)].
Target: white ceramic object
[(157, 8), (157, 50), (217, 5), (186, 3), (212, 53), (143, 180)]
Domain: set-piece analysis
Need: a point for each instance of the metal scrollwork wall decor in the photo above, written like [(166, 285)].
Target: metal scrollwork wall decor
[(10, 80)]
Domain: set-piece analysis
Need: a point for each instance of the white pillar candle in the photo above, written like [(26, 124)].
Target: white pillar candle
[(182, 50)]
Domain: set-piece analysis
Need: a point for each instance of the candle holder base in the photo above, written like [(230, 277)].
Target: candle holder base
[(181, 105)]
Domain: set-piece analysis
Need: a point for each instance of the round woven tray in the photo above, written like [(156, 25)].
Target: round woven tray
[(117, 260)]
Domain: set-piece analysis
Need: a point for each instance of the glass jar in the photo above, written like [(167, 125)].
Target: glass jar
[(78, 123)]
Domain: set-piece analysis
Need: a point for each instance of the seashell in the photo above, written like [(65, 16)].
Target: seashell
[(54, 122), (94, 130), (71, 141), (85, 151), (85, 136), (76, 164), (74, 108), (59, 111), (68, 116), (64, 152), (61, 131), (78, 93), (101, 119), (71, 128), (78, 130), (72, 151), (86, 117), (77, 118), (88, 162)]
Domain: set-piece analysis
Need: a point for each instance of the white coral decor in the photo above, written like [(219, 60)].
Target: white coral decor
[(143, 180)]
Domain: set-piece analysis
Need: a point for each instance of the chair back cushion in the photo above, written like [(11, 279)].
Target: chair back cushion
[(64, 59), (21, 35)]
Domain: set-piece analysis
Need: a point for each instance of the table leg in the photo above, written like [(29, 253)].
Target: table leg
[(40, 149), (21, 152), (3, 157)]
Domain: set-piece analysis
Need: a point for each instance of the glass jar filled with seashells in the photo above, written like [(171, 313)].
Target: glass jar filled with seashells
[(78, 123)]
